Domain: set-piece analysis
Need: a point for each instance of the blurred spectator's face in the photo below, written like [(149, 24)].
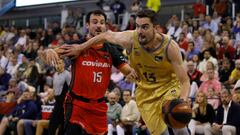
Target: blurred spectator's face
[(145, 30), (200, 97), (225, 98), (14, 60), (22, 33), (190, 46), (195, 58), (207, 55), (190, 66), (96, 25), (237, 64), (26, 95), (225, 40), (225, 33), (210, 74), (112, 98), (75, 36), (67, 37), (185, 28), (49, 32), (12, 83), (60, 66), (210, 66), (177, 23), (195, 34), (181, 37), (208, 19), (226, 64), (215, 14), (35, 46), (126, 96)]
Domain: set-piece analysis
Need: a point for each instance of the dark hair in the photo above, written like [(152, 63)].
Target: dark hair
[(127, 90), (95, 12), (148, 13)]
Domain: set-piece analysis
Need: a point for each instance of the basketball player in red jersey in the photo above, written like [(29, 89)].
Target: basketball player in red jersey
[(85, 109)]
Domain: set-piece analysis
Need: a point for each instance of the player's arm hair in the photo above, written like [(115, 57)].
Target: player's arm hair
[(123, 39), (174, 55)]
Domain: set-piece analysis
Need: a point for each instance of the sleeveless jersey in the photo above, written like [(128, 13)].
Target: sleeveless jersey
[(92, 70), (157, 83)]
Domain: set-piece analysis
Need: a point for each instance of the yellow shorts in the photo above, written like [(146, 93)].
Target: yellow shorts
[(150, 106)]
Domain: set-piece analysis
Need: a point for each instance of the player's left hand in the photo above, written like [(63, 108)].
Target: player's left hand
[(51, 57), (72, 51)]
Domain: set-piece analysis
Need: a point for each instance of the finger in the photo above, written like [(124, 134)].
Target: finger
[(65, 46)]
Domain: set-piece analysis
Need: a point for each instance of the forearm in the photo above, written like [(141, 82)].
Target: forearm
[(93, 41), (185, 88)]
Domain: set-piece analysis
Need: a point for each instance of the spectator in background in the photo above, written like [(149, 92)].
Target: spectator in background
[(113, 113), (193, 73), (225, 71), (197, 39), (207, 57), (202, 116), (4, 79), (154, 5), (117, 8), (129, 115), (131, 23), (26, 109), (237, 50), (136, 6), (191, 51), (236, 28), (220, 6), (22, 40), (227, 119), (210, 24), (211, 83), (198, 8), (175, 30), (235, 74), (225, 46)]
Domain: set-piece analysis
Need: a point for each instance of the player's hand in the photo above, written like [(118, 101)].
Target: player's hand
[(51, 57), (132, 76), (72, 51)]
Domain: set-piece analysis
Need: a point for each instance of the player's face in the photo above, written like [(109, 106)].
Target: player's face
[(96, 25), (145, 30)]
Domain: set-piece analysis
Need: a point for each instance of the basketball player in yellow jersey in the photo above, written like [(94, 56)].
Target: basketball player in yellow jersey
[(158, 64)]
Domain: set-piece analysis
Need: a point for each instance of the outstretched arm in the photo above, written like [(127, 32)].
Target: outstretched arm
[(174, 55), (123, 39)]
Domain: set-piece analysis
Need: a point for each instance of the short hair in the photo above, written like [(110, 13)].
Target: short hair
[(127, 90), (148, 13), (95, 12)]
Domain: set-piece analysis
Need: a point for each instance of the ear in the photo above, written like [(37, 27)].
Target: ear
[(87, 25)]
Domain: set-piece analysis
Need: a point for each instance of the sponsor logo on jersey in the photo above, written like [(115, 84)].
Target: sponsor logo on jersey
[(95, 64)]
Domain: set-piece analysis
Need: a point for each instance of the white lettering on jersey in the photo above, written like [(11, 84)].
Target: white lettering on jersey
[(95, 64)]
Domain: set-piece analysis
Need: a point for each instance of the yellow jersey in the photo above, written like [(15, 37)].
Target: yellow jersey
[(157, 82)]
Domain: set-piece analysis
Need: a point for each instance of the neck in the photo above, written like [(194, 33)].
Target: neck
[(154, 43)]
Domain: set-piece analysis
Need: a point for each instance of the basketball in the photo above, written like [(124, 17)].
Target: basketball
[(176, 113)]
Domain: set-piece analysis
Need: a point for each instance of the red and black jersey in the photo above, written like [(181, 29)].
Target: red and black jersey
[(90, 78), (92, 70)]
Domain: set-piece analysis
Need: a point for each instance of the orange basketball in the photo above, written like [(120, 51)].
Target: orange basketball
[(176, 113)]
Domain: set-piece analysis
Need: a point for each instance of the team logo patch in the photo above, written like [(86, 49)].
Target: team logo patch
[(158, 58)]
